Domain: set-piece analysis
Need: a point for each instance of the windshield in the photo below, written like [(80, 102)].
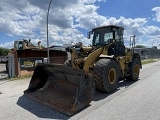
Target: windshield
[(102, 36), (18, 45)]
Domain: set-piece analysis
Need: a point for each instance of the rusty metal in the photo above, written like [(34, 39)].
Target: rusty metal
[(62, 88), (56, 56)]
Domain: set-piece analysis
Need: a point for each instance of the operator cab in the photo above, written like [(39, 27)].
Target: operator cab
[(109, 35), (19, 44)]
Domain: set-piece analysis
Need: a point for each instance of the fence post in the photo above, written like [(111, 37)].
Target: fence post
[(19, 66), (11, 66)]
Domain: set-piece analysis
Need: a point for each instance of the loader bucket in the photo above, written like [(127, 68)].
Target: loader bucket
[(62, 88)]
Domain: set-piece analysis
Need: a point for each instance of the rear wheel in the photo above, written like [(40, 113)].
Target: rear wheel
[(134, 70), (106, 75)]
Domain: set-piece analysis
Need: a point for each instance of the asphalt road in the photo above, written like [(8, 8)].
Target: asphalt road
[(132, 101)]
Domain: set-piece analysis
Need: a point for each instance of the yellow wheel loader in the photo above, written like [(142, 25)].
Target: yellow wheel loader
[(70, 87)]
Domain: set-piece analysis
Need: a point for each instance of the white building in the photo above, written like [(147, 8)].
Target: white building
[(148, 52)]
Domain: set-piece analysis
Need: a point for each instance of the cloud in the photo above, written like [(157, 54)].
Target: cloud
[(61, 18), (150, 30), (68, 21), (43, 4), (126, 22), (20, 19), (7, 44), (88, 17), (157, 15)]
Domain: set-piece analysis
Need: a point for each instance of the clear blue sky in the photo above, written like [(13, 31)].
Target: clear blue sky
[(128, 8), (69, 20)]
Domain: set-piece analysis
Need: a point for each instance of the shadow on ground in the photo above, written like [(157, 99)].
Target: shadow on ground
[(102, 95), (39, 110)]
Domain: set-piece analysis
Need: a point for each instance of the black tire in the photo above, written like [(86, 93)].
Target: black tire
[(134, 70), (106, 75)]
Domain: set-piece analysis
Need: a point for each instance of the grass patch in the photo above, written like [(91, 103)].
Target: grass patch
[(148, 61), (22, 77)]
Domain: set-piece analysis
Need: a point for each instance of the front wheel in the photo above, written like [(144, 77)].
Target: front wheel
[(106, 75), (134, 70)]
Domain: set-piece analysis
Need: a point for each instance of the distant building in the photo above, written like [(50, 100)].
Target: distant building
[(148, 52), (63, 48)]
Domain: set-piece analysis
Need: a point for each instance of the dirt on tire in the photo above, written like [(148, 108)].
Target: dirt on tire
[(100, 75)]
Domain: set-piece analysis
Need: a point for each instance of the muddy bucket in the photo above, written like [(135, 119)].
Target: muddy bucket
[(62, 88)]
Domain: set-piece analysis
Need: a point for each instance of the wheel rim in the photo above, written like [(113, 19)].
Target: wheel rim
[(136, 70), (112, 76)]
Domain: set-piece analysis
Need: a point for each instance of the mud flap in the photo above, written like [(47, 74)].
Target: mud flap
[(62, 88)]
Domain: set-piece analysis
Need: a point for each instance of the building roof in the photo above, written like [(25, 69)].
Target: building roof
[(116, 26)]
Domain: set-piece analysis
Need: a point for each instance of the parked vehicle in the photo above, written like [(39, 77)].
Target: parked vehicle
[(3, 59)]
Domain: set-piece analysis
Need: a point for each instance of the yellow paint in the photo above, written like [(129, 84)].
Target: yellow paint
[(91, 59)]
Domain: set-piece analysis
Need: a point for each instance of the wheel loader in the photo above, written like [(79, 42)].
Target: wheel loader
[(25, 44), (25, 55), (70, 87)]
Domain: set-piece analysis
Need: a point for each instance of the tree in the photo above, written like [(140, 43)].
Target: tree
[(140, 46), (3, 51)]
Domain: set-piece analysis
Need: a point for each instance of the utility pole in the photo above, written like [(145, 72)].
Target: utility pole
[(47, 33)]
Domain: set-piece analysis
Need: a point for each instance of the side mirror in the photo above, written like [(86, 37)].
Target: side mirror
[(89, 34)]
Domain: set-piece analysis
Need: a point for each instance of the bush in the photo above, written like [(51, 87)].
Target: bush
[(3, 51)]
